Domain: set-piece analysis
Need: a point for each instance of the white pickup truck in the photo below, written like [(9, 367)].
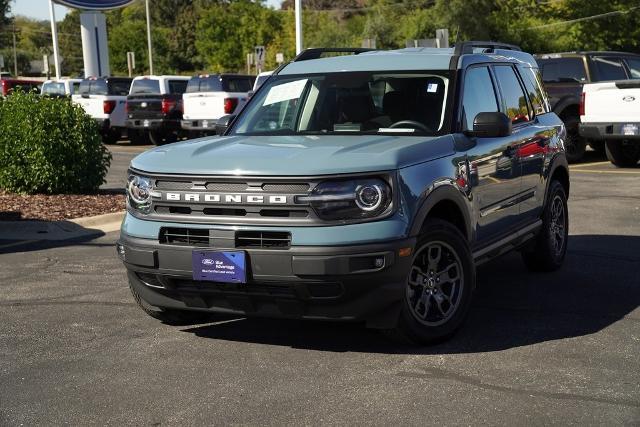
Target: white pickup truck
[(211, 96), (610, 112)]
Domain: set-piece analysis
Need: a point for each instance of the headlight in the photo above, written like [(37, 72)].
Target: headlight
[(139, 193), (346, 200)]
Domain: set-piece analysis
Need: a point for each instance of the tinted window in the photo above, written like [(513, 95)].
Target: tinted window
[(93, 87), (119, 87), (609, 68), (260, 80), (204, 84), (563, 69), (479, 95), (235, 84), (75, 87), (634, 67), (145, 86), (515, 102), (177, 86), (534, 90), (53, 88)]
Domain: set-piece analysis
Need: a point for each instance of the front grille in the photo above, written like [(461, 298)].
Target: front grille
[(184, 236), (231, 187), (263, 239)]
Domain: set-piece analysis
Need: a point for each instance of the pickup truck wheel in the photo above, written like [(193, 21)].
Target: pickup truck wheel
[(170, 316), (575, 145), (110, 137), (623, 153), (550, 246), (439, 286)]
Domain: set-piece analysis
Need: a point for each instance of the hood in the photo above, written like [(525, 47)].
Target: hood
[(299, 155)]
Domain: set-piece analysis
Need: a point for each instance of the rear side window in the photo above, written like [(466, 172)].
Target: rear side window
[(235, 84), (94, 87), (634, 67), (514, 101), (144, 86), (204, 84), (119, 87), (534, 90), (563, 70), (177, 86), (609, 68), (479, 95)]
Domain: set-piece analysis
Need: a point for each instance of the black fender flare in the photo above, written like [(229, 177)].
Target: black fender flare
[(558, 161), (446, 192), (564, 103)]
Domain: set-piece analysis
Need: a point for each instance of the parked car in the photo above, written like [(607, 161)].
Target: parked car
[(211, 96), (564, 74), (7, 85), (103, 98), (154, 108), (60, 88), (610, 114), (363, 187)]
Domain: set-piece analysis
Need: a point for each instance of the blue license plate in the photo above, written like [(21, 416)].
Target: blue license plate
[(219, 266)]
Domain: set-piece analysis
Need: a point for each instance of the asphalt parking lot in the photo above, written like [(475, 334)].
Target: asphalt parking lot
[(559, 348)]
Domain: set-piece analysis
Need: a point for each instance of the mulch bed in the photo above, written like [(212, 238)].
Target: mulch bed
[(16, 207)]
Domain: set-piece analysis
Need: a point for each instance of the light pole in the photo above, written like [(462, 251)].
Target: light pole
[(149, 38), (54, 36), (298, 13)]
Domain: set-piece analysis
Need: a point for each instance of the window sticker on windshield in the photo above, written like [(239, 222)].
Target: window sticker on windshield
[(285, 92), (432, 87)]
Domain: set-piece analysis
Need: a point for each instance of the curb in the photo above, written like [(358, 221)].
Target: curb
[(105, 222)]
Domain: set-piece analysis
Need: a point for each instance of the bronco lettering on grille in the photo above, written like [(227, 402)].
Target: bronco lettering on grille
[(226, 198)]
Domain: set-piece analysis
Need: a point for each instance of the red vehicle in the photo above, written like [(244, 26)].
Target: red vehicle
[(27, 85)]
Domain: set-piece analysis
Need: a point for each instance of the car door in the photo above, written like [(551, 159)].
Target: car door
[(495, 176)]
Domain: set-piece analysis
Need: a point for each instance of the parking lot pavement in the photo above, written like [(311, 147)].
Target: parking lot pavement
[(122, 154), (537, 348)]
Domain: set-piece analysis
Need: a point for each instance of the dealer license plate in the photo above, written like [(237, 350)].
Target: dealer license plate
[(219, 266), (145, 123), (630, 129), (205, 124)]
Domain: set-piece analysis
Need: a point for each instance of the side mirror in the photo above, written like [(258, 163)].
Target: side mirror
[(491, 125), (223, 123)]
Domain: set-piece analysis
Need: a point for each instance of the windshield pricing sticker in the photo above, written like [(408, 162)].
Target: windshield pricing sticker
[(432, 87), (285, 92)]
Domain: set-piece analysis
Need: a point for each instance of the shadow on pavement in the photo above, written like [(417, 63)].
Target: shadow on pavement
[(26, 236), (598, 286)]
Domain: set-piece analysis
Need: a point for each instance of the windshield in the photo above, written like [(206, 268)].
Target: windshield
[(145, 86), (348, 103)]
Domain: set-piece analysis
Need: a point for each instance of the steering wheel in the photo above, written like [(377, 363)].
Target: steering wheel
[(411, 123)]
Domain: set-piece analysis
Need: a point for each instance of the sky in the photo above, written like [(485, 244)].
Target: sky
[(39, 9)]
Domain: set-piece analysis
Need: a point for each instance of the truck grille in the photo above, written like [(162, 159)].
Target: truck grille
[(243, 239)]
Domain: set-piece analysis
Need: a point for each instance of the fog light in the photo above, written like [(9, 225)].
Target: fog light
[(120, 250)]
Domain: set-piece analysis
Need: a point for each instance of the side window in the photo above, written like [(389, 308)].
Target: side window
[(514, 101), (609, 68), (534, 90), (119, 87), (478, 97), (75, 87), (239, 85), (563, 70), (177, 86), (634, 67)]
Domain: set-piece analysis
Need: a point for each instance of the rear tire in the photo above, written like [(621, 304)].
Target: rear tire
[(439, 286), (170, 316), (550, 247), (575, 145), (110, 137), (623, 153), (137, 137), (161, 138)]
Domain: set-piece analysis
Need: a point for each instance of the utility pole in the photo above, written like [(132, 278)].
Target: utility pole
[(149, 38), (54, 36), (298, 13), (15, 54)]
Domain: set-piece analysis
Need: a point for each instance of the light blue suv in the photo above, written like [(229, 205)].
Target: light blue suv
[(365, 186)]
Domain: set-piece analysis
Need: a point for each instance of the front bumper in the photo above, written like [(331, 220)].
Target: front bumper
[(310, 282), (603, 131), (200, 124), (153, 124)]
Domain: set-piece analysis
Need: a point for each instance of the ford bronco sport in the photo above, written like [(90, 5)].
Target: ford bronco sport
[(365, 186)]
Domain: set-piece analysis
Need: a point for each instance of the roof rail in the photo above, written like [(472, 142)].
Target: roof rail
[(315, 53), (467, 47)]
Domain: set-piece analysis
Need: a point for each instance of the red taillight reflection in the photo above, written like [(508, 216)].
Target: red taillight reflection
[(108, 106), (167, 105), (230, 105), (582, 99)]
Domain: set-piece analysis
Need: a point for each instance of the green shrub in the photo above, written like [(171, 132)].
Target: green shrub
[(49, 145)]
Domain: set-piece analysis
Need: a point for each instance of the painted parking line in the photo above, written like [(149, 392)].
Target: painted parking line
[(582, 165), (607, 172), (22, 242)]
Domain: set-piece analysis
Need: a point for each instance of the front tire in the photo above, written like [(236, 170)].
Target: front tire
[(167, 315), (550, 246), (623, 153), (439, 286)]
